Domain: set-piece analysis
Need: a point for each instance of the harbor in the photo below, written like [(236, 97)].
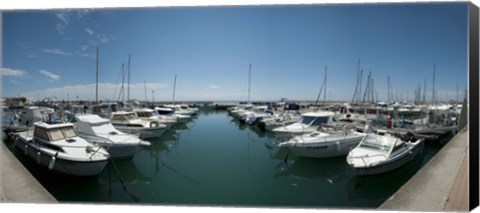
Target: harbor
[(262, 106), (214, 159)]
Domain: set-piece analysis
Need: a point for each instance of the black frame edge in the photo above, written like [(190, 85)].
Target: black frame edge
[(473, 102)]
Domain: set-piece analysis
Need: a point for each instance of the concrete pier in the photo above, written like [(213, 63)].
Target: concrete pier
[(441, 185), (17, 185)]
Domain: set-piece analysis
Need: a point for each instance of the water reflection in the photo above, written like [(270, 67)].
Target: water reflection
[(330, 169)]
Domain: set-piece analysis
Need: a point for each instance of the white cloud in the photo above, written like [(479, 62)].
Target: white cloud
[(13, 72), (213, 87), (15, 82), (51, 75), (56, 51), (89, 31), (106, 91)]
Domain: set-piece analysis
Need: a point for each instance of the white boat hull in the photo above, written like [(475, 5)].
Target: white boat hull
[(62, 166), (389, 165), (334, 147), (143, 132), (116, 150)]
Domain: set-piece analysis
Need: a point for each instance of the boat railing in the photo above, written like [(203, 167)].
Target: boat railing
[(369, 156)]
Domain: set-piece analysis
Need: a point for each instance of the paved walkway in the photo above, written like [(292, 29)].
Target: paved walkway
[(441, 185), (17, 185)]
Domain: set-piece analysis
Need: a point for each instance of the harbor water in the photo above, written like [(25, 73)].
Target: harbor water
[(213, 160)]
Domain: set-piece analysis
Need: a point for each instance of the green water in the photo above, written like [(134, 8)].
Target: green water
[(213, 160)]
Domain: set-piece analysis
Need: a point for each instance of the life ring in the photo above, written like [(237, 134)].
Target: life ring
[(153, 124)]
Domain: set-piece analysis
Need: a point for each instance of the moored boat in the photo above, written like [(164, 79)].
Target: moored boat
[(101, 132), (308, 122), (58, 148), (377, 154), (325, 143), (129, 122)]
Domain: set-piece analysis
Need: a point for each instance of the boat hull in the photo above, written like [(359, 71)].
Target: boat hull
[(390, 165), (143, 132), (326, 149), (116, 150), (61, 166)]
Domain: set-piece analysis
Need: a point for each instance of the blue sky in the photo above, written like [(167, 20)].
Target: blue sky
[(52, 53)]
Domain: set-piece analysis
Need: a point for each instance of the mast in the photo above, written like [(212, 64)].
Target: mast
[(249, 79), (388, 89), (128, 85), (96, 87), (433, 87), (145, 84), (424, 90), (174, 85), (325, 88), (123, 82), (356, 86)]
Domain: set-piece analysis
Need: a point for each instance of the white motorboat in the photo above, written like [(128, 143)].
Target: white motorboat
[(291, 114), (308, 122), (182, 111), (256, 114), (168, 112), (151, 115), (238, 111), (101, 132), (324, 144), (377, 154), (57, 147), (129, 122)]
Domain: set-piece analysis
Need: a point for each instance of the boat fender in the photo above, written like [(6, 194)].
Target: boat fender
[(26, 149), (38, 157), (52, 162), (153, 124), (338, 145)]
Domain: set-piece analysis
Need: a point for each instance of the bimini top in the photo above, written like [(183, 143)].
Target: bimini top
[(92, 119), (319, 114), (52, 126)]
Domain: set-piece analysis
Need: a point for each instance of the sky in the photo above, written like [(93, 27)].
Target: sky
[(52, 53)]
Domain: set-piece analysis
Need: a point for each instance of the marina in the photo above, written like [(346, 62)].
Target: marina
[(216, 160), (393, 120)]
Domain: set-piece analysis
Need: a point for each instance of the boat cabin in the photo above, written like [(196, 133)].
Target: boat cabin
[(316, 118)]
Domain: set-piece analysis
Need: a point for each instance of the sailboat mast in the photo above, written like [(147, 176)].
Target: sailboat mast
[(174, 86), (123, 83), (325, 87), (249, 79), (433, 86), (128, 85), (145, 85), (96, 86)]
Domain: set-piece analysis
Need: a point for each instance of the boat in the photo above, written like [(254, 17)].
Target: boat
[(170, 113), (152, 115), (129, 122), (256, 114), (324, 143), (290, 114), (58, 148), (101, 132), (377, 154), (182, 111), (308, 122)]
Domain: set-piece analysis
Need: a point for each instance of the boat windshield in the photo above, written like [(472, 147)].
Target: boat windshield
[(144, 114), (62, 133), (374, 145), (69, 132), (320, 120), (306, 120), (130, 116)]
